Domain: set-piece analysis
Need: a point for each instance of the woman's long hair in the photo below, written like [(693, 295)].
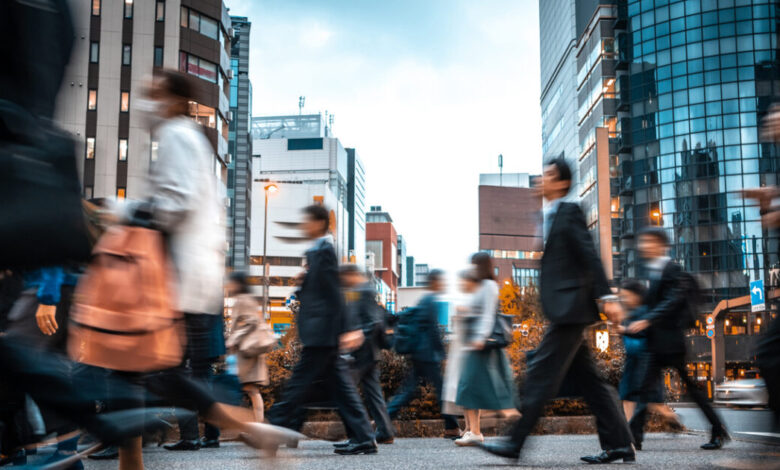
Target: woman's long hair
[(483, 266)]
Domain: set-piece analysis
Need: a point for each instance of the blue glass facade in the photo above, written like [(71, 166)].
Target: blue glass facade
[(699, 75)]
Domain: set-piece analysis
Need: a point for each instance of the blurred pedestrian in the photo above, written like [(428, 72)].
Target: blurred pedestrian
[(326, 331), (246, 318), (664, 321), (486, 380), (362, 307), (428, 354), (632, 293), (572, 280)]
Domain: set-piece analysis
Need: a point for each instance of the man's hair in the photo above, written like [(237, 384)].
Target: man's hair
[(240, 278), (435, 275), (632, 285), (318, 213), (177, 83), (656, 232), (563, 168), (483, 265)]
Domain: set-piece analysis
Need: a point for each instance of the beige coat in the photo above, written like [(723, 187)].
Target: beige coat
[(246, 314)]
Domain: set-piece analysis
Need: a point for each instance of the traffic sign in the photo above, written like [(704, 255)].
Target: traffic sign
[(757, 300), (710, 333)]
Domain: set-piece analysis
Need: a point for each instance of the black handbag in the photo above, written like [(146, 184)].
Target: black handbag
[(42, 219), (501, 336)]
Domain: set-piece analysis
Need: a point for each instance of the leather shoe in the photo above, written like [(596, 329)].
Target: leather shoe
[(502, 448), (355, 448), (385, 440), (183, 445), (342, 444), (626, 453), (209, 443), (718, 439)]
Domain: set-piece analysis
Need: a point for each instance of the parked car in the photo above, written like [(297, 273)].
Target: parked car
[(748, 391)]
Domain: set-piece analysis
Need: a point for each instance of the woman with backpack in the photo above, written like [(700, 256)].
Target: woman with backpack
[(486, 381)]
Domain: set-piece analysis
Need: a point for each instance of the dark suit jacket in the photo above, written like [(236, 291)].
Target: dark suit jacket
[(430, 347), (664, 304), (572, 277), (365, 312), (322, 318)]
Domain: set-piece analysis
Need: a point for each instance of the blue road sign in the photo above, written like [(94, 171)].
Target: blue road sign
[(757, 300)]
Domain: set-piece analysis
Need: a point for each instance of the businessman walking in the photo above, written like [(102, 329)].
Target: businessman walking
[(325, 330), (572, 280)]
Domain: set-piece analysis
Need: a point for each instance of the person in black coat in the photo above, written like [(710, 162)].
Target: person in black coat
[(325, 330), (663, 321), (572, 281), (427, 357), (363, 308)]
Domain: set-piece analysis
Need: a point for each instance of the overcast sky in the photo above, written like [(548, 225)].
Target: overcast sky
[(429, 92)]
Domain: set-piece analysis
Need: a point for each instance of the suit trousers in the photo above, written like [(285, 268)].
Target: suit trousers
[(322, 363), (422, 372), (675, 361), (366, 377), (563, 352)]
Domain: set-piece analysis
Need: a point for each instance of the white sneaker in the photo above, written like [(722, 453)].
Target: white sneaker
[(470, 439)]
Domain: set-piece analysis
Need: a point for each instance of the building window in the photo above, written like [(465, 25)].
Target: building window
[(94, 52), (121, 193), (160, 11), (525, 277), (127, 54), (203, 24), (184, 17), (89, 192), (194, 65), (92, 100), (375, 247), (95, 7), (205, 115), (155, 145), (122, 150), (90, 149), (128, 8), (158, 56), (124, 101)]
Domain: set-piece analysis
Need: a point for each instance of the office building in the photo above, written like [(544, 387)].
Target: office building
[(421, 274), (118, 45), (305, 167), (671, 95), (356, 208), (410, 277), (509, 218), (382, 245), (239, 174), (402, 266)]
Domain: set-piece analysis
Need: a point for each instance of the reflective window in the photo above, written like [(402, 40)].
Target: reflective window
[(127, 53), (92, 100), (122, 150), (94, 52), (128, 8), (89, 152), (124, 101), (160, 11), (158, 56), (95, 7)]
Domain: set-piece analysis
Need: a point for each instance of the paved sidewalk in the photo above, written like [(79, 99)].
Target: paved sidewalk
[(663, 451)]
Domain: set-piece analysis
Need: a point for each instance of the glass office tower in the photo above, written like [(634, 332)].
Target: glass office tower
[(700, 76)]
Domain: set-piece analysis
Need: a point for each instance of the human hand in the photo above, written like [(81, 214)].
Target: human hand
[(478, 345), (351, 340), (770, 126), (614, 311), (771, 219), (638, 326), (45, 317)]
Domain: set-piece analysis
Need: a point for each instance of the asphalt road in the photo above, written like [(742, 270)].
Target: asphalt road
[(662, 451), (743, 423)]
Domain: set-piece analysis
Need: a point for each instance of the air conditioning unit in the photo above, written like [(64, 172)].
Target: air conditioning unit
[(230, 74), (228, 158), (232, 32), (230, 115)]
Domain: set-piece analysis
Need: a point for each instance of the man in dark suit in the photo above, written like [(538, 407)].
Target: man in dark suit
[(362, 306), (572, 280), (427, 357), (325, 330), (663, 322)]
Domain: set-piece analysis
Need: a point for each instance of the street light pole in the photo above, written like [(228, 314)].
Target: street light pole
[(268, 188)]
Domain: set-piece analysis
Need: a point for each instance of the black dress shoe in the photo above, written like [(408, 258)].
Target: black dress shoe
[(718, 439), (209, 443), (183, 445), (626, 453), (502, 448), (342, 444), (638, 446), (109, 453), (385, 440), (355, 448)]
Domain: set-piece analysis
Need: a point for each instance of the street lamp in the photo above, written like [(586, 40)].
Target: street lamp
[(269, 188)]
